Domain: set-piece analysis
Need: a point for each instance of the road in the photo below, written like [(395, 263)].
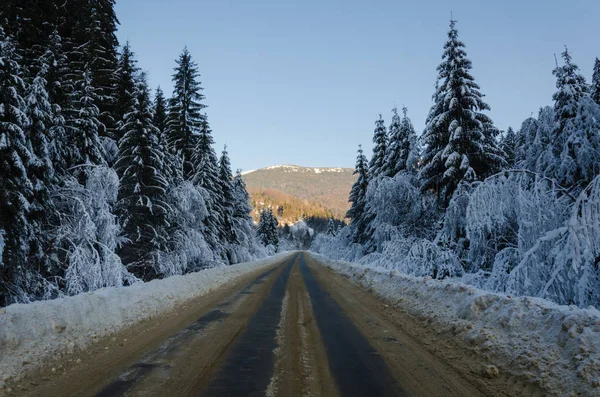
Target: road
[(295, 329)]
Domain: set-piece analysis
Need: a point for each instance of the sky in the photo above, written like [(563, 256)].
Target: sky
[(302, 82)]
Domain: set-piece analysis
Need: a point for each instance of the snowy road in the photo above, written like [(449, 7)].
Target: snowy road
[(295, 329)]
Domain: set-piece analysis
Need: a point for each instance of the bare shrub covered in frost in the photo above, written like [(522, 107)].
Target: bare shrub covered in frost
[(571, 253), (88, 233), (188, 249)]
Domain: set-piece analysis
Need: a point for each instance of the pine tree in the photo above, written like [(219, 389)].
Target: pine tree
[(185, 118), (508, 144), (460, 140), (402, 153), (595, 92), (16, 188), (358, 196), (142, 192), (377, 164)]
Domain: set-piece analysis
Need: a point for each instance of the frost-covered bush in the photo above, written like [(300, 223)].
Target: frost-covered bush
[(88, 233), (189, 251), (570, 254), (399, 209)]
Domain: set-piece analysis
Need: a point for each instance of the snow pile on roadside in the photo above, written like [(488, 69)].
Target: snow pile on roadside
[(556, 346), (31, 334)]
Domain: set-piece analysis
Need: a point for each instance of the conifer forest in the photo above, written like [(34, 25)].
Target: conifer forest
[(102, 182), (513, 211)]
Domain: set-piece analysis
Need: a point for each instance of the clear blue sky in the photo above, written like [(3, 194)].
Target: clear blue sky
[(302, 82)]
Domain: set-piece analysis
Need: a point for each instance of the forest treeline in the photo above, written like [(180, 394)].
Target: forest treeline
[(515, 211), (101, 183)]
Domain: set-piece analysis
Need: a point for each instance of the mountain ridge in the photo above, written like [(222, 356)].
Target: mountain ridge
[(300, 191)]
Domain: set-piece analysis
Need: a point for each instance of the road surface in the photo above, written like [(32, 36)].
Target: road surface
[(295, 329)]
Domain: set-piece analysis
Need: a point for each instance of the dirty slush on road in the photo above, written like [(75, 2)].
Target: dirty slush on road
[(296, 329)]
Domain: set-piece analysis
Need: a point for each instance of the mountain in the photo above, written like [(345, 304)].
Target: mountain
[(294, 191)]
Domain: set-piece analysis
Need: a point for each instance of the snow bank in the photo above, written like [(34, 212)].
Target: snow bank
[(556, 346), (31, 334)]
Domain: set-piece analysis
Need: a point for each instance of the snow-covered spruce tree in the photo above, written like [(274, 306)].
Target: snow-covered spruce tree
[(226, 179), (16, 188), (90, 27), (173, 165), (402, 153), (206, 177), (595, 92), (573, 155), (185, 112), (85, 146), (126, 74), (376, 172), (358, 197), (266, 229), (274, 237), (58, 87), (380, 139), (508, 144), (142, 205), (330, 228), (245, 233), (459, 138), (40, 168)]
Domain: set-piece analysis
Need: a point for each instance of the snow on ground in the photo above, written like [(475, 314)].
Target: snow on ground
[(31, 334), (556, 346)]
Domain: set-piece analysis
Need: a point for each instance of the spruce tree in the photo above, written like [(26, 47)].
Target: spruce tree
[(206, 176), (142, 202), (16, 188), (508, 144), (330, 227), (273, 234), (91, 26), (185, 111), (242, 207), (393, 165), (459, 138), (40, 168), (263, 228), (573, 156), (377, 164), (85, 146), (226, 179), (402, 153), (58, 87), (126, 74), (595, 92), (172, 164), (358, 196)]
